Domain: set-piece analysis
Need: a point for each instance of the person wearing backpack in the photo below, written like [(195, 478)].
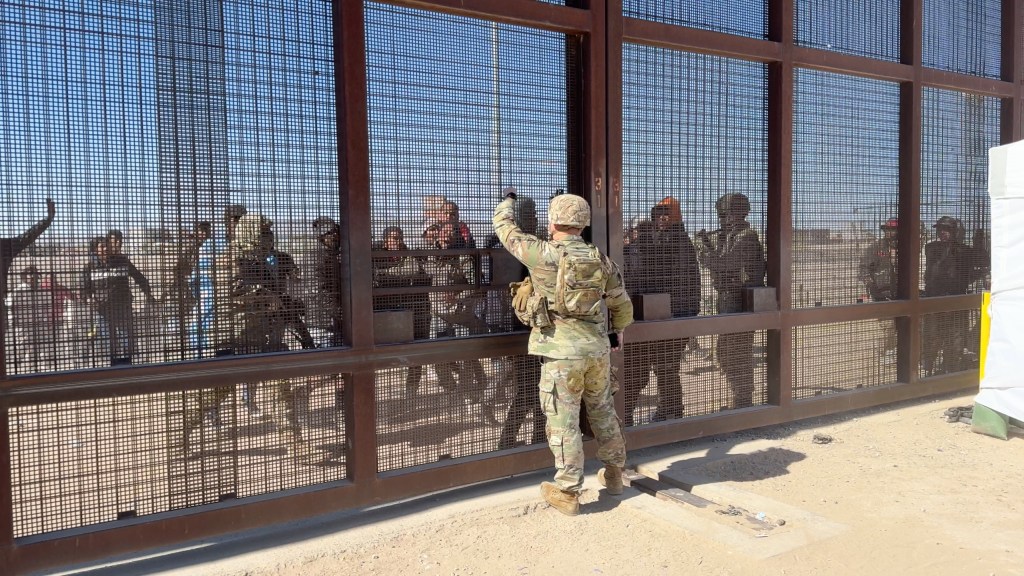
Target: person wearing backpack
[(562, 301)]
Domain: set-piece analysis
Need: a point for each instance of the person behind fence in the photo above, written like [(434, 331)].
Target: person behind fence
[(877, 271), (951, 266), (259, 322), (327, 308), (36, 315), (403, 272), (521, 373), (291, 317), (180, 294), (563, 301), (106, 286), (661, 259), (454, 313), (11, 248), (734, 257)]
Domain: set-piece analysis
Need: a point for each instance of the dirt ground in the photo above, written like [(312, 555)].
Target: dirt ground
[(891, 490)]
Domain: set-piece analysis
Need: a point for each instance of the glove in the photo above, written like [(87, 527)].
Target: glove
[(613, 339), (522, 294), (509, 192)]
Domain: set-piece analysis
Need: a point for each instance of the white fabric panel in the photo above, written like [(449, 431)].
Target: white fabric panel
[(1002, 388)]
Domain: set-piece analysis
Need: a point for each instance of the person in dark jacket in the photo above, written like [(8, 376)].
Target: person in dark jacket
[(951, 266), (661, 259), (327, 307), (106, 285), (10, 248)]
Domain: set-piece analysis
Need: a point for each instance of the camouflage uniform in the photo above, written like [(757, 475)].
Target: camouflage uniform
[(735, 259), (877, 271), (573, 350), (259, 317), (950, 268)]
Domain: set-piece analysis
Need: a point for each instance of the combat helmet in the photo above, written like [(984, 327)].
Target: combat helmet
[(733, 203), (947, 222), (569, 210)]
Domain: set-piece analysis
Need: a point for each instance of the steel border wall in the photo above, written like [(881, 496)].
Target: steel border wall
[(603, 29)]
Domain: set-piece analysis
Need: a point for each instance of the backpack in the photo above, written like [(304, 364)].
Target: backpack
[(579, 285)]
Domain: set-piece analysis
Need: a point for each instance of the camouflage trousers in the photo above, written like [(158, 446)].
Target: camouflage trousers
[(563, 383)]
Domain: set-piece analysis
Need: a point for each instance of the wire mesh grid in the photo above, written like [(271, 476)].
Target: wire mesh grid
[(963, 36), (862, 27), (745, 18), (457, 409), (672, 379), (950, 342), (77, 464), (458, 109), (840, 357), (845, 189), (957, 131), (153, 126), (694, 131)]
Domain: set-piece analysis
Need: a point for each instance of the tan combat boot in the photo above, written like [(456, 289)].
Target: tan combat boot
[(567, 503), (611, 478)]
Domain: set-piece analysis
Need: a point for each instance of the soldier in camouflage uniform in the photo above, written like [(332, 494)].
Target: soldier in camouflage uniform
[(877, 271), (951, 266), (574, 350), (734, 257), (259, 317)]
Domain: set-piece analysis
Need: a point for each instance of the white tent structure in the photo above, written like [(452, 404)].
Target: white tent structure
[(1001, 397)]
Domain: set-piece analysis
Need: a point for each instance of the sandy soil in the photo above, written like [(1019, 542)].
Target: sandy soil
[(896, 490)]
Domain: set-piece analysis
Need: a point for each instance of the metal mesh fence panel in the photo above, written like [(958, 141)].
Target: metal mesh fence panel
[(950, 342), (845, 189), (840, 357), (957, 131), (153, 126), (862, 27), (457, 409), (672, 379), (458, 109), (694, 131), (963, 36), (84, 463), (745, 18)]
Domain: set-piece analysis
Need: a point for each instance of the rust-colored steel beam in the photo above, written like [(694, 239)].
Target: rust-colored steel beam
[(934, 78), (613, 148), (700, 325), (851, 64), (520, 12), (779, 240), (186, 376), (699, 41), (6, 487), (909, 269), (1012, 121), (353, 170)]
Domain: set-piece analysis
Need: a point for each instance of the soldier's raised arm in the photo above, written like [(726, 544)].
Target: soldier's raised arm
[(525, 247)]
